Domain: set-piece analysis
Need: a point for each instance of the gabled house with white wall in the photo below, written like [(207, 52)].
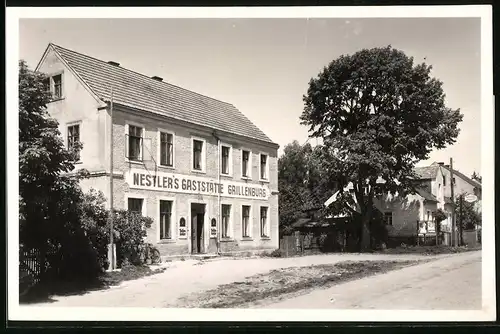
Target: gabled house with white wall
[(205, 174), (412, 214)]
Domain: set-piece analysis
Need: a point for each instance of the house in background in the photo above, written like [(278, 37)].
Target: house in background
[(436, 179), (411, 216), (403, 216)]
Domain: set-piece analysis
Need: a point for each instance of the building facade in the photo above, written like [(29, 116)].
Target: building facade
[(198, 167)]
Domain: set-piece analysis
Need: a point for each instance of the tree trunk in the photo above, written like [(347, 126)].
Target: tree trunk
[(365, 233)]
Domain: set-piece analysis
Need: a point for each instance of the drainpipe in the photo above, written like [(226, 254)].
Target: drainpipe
[(217, 242)]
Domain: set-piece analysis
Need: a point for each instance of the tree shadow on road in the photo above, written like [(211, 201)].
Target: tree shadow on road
[(45, 291)]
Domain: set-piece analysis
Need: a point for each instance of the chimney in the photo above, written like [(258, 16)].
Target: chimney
[(113, 63), (441, 163), (157, 78)]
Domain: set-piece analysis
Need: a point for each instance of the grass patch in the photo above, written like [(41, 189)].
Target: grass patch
[(287, 280), (428, 250), (44, 292)]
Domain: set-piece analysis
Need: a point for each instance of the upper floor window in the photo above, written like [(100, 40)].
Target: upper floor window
[(166, 149), (74, 138), (245, 163), (444, 181), (57, 86), (198, 155), (226, 160), (135, 142), (263, 167), (54, 85)]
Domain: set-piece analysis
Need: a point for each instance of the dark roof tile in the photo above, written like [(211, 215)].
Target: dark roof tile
[(139, 91), (427, 195)]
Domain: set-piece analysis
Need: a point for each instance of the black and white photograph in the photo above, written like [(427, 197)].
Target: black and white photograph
[(244, 164)]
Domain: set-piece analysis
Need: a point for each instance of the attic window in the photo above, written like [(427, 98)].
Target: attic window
[(157, 78), (54, 85), (113, 63)]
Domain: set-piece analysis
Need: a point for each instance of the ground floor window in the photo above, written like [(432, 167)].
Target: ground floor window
[(135, 205), (166, 219), (226, 216), (263, 222), (388, 218), (245, 221)]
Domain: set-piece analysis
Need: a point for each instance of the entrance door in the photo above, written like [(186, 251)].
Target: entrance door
[(197, 228)]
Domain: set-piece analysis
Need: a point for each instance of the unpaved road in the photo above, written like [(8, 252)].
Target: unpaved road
[(181, 278), (452, 283)]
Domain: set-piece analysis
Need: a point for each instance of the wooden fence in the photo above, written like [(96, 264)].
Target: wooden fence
[(30, 269)]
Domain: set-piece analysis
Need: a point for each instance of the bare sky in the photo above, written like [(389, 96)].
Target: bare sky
[(263, 66)]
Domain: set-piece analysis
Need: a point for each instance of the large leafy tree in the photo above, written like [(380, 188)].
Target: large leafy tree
[(378, 114), (49, 195)]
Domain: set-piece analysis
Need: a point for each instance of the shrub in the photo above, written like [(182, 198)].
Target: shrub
[(275, 253), (130, 231)]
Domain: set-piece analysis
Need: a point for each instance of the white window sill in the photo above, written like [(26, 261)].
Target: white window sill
[(197, 171), (135, 162), (247, 178), (166, 167), (226, 175), (166, 241), (264, 180), (57, 99), (265, 238), (228, 239), (246, 239)]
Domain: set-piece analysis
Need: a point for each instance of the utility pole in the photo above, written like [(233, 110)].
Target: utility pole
[(453, 236), (111, 211), (461, 222)]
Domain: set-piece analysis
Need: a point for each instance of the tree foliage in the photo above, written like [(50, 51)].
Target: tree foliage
[(467, 215), (378, 114), (68, 228), (300, 181), (475, 176)]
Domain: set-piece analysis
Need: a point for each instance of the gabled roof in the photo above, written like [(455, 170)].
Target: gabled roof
[(141, 92), (427, 172), (430, 172), (464, 177)]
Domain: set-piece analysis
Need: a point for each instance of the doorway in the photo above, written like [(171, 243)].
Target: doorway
[(197, 228)]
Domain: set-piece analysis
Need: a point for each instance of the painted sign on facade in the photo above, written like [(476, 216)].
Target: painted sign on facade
[(187, 184)]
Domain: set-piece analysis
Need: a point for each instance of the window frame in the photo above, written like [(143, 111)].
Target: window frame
[(229, 162), (54, 86), (127, 142), (265, 233), (386, 216), (166, 131), (250, 227), (66, 139), (137, 196), (230, 221), (50, 77), (174, 224), (260, 167), (203, 155), (249, 169)]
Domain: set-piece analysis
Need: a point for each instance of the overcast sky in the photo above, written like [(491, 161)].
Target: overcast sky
[(263, 66)]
